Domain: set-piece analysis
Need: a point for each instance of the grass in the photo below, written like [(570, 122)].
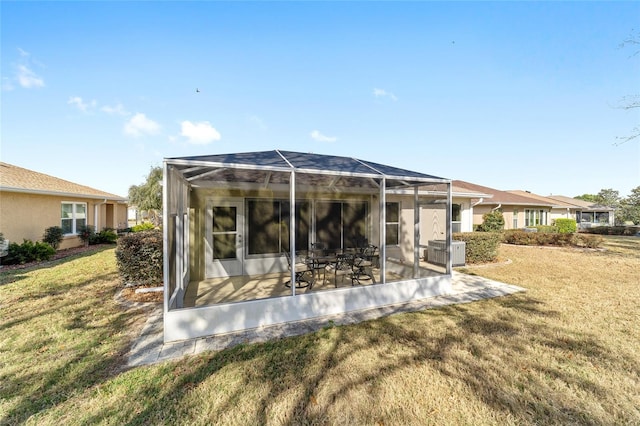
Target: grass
[(564, 352)]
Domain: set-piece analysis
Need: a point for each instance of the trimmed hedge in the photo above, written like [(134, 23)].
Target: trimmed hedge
[(480, 247), (139, 257), (612, 230), (519, 237), (566, 225)]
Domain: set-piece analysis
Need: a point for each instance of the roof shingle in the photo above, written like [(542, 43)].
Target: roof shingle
[(18, 179)]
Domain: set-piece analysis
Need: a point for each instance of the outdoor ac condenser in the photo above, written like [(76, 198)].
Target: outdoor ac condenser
[(437, 252)]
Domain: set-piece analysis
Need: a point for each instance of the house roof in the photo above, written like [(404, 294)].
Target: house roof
[(556, 203), (502, 197), (583, 205), (18, 179), (273, 167)]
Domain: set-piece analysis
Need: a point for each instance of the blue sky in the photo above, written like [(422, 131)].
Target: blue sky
[(511, 95)]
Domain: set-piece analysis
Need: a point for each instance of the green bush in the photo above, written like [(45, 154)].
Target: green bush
[(480, 247), (139, 257), (612, 230), (519, 237), (106, 236), (566, 226), (492, 222), (27, 252), (53, 236), (86, 233), (144, 226), (547, 228)]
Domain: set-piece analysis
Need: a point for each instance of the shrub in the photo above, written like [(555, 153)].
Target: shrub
[(566, 226), (546, 228), (106, 236), (144, 226), (86, 233), (613, 230), (589, 241), (480, 247), (27, 252), (139, 257), (53, 236), (492, 222)]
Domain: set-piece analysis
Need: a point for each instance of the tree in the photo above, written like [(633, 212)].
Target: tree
[(147, 197), (608, 197), (587, 197), (630, 208)]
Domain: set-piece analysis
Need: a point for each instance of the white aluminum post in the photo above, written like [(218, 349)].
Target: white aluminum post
[(448, 227), (383, 230), (292, 230), (416, 234)]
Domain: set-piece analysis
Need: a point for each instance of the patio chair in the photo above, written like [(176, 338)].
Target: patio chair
[(371, 254), (343, 266), (362, 269), (301, 267)]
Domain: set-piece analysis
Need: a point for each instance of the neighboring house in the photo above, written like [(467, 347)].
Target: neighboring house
[(586, 213), (230, 219), (30, 202), (559, 208), (519, 211)]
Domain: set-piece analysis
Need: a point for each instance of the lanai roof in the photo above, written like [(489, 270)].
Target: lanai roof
[(273, 167)]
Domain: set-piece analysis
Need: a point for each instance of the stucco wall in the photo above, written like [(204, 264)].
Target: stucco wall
[(26, 216)]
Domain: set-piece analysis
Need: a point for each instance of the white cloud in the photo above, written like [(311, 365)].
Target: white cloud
[(27, 78), (82, 105), (140, 125), (23, 74), (381, 93), (115, 110), (316, 135), (201, 133)]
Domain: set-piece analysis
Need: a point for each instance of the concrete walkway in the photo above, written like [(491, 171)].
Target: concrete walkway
[(149, 348)]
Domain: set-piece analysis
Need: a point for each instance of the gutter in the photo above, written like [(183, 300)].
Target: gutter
[(60, 194), (478, 202)]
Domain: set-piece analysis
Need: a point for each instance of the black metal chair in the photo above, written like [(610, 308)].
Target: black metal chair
[(301, 267), (343, 266)]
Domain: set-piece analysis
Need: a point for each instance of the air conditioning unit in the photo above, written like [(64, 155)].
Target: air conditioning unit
[(437, 252)]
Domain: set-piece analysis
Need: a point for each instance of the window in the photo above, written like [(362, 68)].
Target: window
[(456, 218), (515, 218), (268, 226), (535, 217), (392, 224), (73, 217), (341, 224)]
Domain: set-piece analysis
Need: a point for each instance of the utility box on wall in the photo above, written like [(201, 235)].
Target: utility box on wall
[(437, 252)]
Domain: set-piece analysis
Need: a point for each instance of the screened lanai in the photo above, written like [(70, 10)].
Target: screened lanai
[(235, 223)]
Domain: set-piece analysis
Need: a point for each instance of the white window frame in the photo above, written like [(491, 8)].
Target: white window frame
[(74, 219), (535, 215), (398, 223)]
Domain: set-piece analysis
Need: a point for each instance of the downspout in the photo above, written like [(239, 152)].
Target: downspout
[(496, 207), (478, 202)]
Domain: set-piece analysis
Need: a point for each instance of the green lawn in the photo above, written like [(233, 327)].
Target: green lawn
[(564, 352)]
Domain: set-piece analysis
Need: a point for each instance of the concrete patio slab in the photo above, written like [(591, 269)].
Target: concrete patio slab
[(149, 348)]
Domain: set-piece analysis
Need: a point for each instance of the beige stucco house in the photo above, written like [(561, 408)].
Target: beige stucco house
[(31, 201), (518, 210)]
